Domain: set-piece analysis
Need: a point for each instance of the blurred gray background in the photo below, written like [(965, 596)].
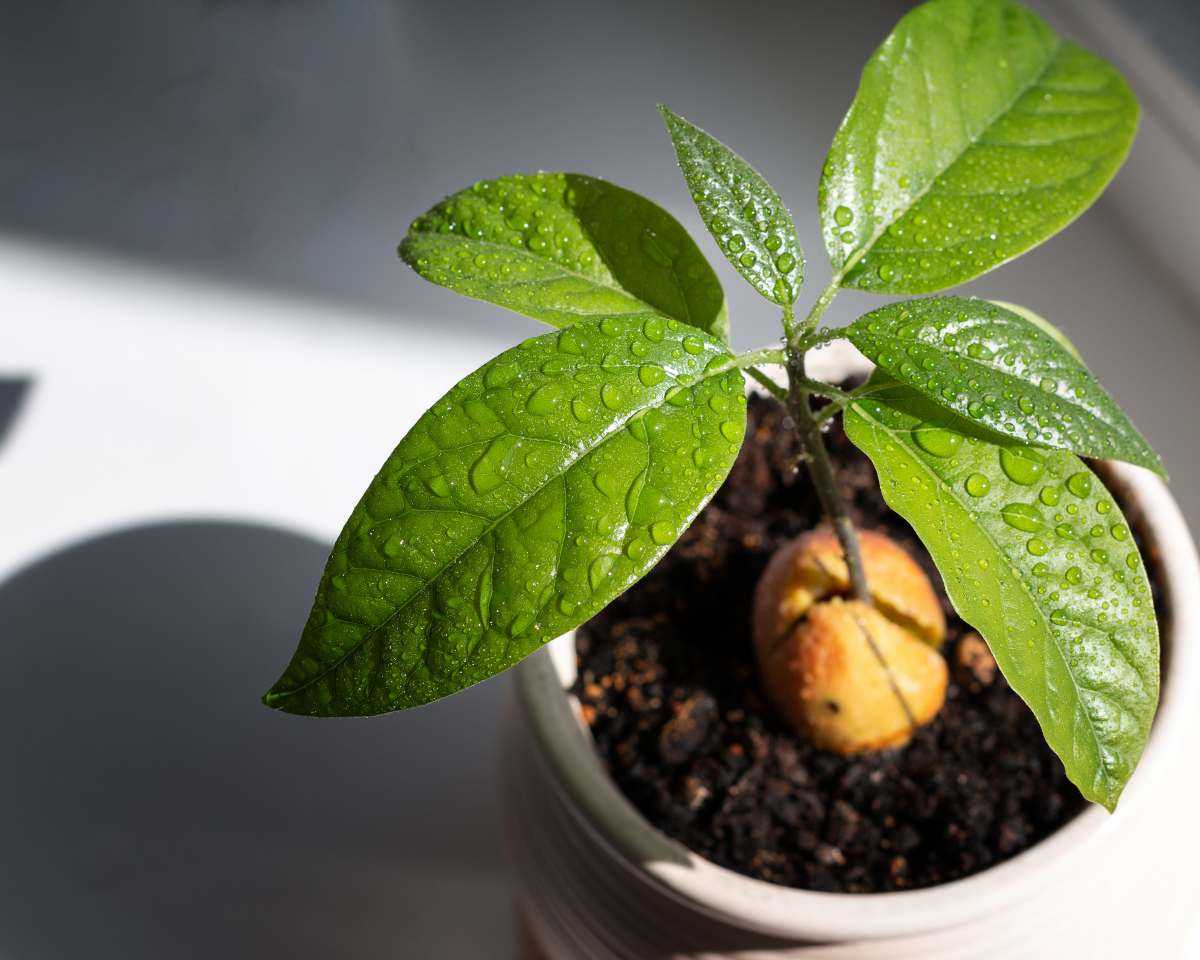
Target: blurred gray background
[(287, 145)]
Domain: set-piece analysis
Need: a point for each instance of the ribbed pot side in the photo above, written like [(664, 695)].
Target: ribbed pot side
[(596, 881)]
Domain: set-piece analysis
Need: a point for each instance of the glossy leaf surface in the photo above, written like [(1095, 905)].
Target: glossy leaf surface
[(528, 497), (563, 247), (1036, 555), (1042, 323), (996, 367), (975, 134), (741, 210)]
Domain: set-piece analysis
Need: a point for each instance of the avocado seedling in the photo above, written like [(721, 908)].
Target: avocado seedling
[(546, 483)]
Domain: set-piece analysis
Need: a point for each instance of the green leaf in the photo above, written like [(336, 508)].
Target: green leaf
[(741, 210), (1036, 556), (976, 133), (562, 247), (1042, 323), (533, 493), (992, 365)]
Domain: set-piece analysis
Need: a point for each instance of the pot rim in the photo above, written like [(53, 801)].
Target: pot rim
[(794, 913)]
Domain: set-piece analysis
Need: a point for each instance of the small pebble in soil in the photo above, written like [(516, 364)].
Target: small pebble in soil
[(975, 667), (668, 686)]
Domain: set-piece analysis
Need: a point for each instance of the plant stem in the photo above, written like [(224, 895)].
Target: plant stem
[(830, 410), (810, 340), (824, 481), (841, 399), (753, 358), (834, 505), (778, 392), (820, 388), (817, 311), (789, 322), (823, 389)]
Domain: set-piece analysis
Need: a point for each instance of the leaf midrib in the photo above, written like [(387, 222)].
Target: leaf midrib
[(1020, 581), (274, 697), (1128, 439), (855, 258), (454, 239)]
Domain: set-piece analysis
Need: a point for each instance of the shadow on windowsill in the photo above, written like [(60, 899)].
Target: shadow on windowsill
[(152, 800)]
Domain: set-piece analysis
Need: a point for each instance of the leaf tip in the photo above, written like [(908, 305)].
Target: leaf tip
[(1106, 796), (1147, 458), (271, 699)]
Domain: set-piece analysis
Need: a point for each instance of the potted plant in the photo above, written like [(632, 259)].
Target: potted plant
[(547, 483)]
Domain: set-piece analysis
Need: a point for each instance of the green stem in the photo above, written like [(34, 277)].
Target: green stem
[(831, 410), (808, 341), (824, 481), (819, 387), (752, 358), (834, 505), (817, 311), (789, 322), (778, 392), (823, 389), (812, 441), (842, 400)]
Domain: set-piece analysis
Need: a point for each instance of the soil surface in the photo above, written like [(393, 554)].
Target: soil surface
[(668, 686)]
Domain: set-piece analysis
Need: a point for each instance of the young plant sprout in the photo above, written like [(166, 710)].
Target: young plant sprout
[(853, 675), (551, 479)]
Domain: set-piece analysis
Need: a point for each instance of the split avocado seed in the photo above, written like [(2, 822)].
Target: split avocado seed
[(819, 652)]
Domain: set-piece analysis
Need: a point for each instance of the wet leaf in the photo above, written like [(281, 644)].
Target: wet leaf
[(563, 247), (994, 366), (533, 493), (975, 134), (741, 210), (1036, 556)]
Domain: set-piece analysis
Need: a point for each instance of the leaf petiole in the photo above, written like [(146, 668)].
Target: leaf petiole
[(823, 389), (842, 399), (753, 358), (818, 310), (773, 388), (831, 410), (822, 337)]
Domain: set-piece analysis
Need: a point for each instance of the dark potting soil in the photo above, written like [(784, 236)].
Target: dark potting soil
[(668, 686)]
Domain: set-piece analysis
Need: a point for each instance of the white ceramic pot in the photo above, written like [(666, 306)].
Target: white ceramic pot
[(596, 880)]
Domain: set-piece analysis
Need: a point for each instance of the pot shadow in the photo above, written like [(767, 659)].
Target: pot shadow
[(13, 391), (153, 807)]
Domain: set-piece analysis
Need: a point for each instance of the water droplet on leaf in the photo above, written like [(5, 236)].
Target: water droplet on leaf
[(543, 401), (600, 569), (1022, 516), (651, 375), (1080, 484), (936, 440), (978, 485), (662, 532), (1021, 464)]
